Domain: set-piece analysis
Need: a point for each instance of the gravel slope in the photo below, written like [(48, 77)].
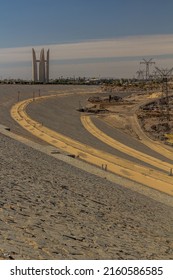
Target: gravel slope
[(52, 210)]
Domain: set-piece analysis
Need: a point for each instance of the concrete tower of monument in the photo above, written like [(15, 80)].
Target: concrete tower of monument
[(41, 73)]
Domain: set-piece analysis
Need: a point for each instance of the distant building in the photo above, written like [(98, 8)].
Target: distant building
[(41, 73)]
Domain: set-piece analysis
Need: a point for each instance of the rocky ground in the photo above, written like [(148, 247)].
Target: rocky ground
[(52, 210), (155, 120)]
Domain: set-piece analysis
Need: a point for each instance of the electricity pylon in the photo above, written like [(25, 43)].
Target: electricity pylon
[(147, 64), (165, 75)]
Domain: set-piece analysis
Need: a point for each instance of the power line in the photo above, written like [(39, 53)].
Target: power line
[(164, 101)]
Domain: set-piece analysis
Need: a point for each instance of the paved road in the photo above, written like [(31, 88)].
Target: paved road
[(97, 157), (128, 140), (60, 114), (9, 96)]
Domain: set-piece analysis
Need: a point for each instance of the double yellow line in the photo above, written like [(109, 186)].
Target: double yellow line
[(138, 173), (89, 125)]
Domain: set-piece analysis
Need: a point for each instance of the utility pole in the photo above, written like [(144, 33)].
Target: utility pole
[(147, 65), (164, 74)]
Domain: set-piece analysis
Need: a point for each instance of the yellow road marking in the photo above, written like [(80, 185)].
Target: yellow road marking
[(170, 138), (154, 145), (89, 125), (124, 168)]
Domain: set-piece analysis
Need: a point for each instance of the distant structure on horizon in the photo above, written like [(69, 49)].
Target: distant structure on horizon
[(40, 73)]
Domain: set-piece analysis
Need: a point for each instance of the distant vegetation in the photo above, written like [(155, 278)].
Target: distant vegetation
[(107, 84)]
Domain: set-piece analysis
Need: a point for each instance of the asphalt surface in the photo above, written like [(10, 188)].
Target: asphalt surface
[(127, 140), (11, 94), (60, 114)]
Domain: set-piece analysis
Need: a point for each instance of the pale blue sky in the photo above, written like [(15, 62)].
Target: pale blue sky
[(39, 23)]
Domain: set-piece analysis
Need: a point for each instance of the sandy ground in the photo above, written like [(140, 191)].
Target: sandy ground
[(51, 210)]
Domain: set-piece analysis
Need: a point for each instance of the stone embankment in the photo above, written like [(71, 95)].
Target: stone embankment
[(52, 210)]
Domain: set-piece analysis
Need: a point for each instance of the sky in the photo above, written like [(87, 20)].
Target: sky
[(91, 38)]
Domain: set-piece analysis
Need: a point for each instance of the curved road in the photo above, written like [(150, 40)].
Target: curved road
[(60, 114), (50, 113)]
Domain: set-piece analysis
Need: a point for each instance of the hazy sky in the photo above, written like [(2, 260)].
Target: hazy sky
[(105, 38)]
